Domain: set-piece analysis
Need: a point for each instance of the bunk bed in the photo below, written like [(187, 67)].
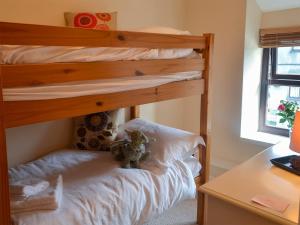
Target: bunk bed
[(25, 98)]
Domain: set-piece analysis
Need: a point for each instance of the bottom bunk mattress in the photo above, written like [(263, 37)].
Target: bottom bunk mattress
[(97, 191)]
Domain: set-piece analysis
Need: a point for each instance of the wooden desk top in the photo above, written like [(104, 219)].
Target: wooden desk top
[(259, 176)]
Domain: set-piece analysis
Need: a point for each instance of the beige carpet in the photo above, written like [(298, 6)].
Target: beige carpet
[(182, 214)]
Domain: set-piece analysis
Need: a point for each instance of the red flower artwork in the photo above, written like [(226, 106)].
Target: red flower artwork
[(102, 27), (85, 20), (104, 16)]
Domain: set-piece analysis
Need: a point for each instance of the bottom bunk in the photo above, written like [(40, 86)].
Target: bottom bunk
[(97, 191)]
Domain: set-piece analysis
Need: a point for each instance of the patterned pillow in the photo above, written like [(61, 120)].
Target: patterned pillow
[(98, 21), (96, 131)]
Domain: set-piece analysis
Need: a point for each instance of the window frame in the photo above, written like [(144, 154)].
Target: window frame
[(290, 79), (272, 78)]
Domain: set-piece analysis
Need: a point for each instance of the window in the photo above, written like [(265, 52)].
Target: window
[(280, 81)]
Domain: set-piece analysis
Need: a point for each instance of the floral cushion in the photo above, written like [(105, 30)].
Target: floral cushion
[(99, 21), (96, 131)]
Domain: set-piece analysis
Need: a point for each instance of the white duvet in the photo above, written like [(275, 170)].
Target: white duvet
[(17, 54), (98, 192)]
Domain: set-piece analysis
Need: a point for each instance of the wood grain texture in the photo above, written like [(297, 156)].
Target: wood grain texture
[(27, 112), (204, 129), (4, 190), (279, 37), (134, 112), (202, 199), (201, 209), (280, 30), (28, 34), (204, 118), (45, 74)]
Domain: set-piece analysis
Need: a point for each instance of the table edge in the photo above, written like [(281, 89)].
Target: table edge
[(247, 207)]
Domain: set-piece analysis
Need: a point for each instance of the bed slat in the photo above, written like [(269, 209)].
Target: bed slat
[(4, 183), (10, 34), (42, 74), (27, 112)]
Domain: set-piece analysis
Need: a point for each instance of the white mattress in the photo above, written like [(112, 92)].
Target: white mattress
[(97, 191), (42, 54), (104, 86)]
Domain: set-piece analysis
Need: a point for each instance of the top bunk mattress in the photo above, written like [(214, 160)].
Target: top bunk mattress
[(17, 54), (95, 87)]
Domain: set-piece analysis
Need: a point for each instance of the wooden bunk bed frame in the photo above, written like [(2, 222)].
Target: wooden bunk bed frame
[(18, 113)]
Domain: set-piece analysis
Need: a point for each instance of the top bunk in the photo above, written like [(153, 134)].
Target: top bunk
[(99, 70)]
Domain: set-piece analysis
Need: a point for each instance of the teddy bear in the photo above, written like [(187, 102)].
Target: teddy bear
[(131, 151)]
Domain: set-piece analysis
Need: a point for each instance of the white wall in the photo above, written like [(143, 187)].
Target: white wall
[(27, 143), (131, 13), (252, 71), (283, 18), (30, 142), (227, 19), (252, 66)]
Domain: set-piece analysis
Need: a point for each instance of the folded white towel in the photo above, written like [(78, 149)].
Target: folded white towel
[(50, 199), (28, 187)]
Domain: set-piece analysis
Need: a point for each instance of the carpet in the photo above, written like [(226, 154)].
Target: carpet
[(183, 214)]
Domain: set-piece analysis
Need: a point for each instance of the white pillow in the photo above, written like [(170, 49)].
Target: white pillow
[(163, 30), (170, 143)]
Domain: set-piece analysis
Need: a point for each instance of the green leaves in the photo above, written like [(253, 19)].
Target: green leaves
[(282, 120), (286, 111)]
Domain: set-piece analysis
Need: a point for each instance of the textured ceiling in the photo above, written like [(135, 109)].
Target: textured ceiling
[(274, 5)]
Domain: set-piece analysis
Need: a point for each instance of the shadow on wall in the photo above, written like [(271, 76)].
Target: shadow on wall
[(29, 142)]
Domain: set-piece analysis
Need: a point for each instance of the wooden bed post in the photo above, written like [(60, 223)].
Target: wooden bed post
[(204, 129), (4, 187), (134, 112)]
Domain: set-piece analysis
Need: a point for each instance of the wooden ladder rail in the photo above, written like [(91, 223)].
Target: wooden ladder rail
[(205, 128), (5, 218)]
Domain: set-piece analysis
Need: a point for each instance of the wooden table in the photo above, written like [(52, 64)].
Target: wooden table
[(229, 196)]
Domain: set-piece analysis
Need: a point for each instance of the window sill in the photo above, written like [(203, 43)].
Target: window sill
[(264, 137)]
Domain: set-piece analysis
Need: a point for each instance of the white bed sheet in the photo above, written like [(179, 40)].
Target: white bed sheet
[(194, 165), (104, 86), (98, 192), (17, 54)]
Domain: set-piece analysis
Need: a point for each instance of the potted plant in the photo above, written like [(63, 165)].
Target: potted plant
[(287, 110)]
